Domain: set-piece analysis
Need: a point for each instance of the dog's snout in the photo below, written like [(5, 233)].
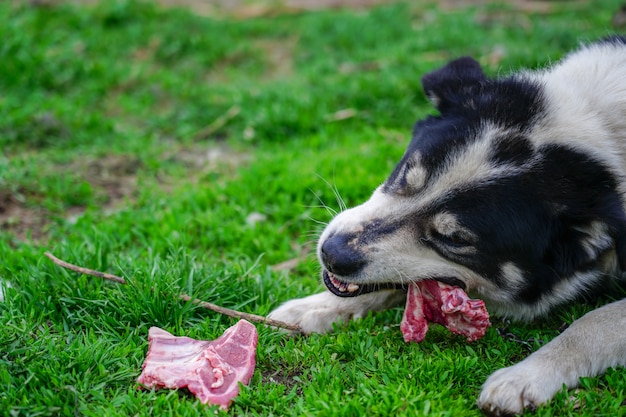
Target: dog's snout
[(339, 257)]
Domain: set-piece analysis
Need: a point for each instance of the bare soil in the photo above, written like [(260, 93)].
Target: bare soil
[(20, 220), (112, 178)]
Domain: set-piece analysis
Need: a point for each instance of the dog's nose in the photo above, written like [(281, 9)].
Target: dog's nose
[(339, 257)]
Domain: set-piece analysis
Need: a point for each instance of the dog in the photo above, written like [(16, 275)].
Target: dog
[(515, 191)]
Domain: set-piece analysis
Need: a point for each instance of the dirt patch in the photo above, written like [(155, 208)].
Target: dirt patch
[(114, 183), (278, 56), (112, 178), (20, 220), (291, 380), (246, 9), (200, 160)]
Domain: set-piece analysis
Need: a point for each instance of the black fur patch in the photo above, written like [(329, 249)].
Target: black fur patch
[(511, 104), (512, 150), (537, 219), (615, 39)]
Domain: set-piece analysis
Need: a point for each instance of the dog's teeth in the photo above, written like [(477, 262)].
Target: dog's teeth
[(342, 286)]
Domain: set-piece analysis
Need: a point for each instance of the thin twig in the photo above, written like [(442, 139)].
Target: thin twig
[(85, 271), (209, 306)]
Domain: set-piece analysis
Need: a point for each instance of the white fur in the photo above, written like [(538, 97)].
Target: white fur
[(317, 313)]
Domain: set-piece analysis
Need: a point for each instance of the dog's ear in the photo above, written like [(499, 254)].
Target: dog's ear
[(453, 84)]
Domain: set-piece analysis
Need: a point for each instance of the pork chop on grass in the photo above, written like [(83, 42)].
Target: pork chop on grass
[(211, 370)]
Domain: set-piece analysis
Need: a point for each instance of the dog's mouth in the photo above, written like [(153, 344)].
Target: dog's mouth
[(350, 289)]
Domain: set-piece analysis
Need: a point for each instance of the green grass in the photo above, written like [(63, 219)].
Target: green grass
[(110, 119)]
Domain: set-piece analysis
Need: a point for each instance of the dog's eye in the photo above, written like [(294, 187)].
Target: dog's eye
[(455, 239)]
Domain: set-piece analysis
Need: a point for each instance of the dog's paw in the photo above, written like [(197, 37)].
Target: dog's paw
[(317, 313), (511, 390), (314, 314)]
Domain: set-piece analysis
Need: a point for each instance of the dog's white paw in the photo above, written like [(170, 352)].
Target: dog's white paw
[(317, 313), (314, 314), (511, 390)]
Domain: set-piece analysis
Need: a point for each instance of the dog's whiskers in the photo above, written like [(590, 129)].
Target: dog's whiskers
[(340, 201), (400, 275)]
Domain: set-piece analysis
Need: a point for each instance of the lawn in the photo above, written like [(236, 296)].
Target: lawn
[(201, 150)]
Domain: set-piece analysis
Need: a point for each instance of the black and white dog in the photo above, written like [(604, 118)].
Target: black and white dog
[(515, 192)]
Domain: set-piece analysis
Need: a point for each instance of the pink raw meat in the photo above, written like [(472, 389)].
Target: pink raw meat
[(211, 370), (436, 302)]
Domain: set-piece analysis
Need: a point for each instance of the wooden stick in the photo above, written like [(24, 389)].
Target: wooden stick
[(209, 306), (85, 271)]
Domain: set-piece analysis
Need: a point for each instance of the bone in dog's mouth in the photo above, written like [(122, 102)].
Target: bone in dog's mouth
[(442, 301)]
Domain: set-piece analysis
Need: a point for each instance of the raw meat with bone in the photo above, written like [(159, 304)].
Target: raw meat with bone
[(211, 370), (445, 304)]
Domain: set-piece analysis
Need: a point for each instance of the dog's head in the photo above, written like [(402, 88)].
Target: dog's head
[(480, 202)]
